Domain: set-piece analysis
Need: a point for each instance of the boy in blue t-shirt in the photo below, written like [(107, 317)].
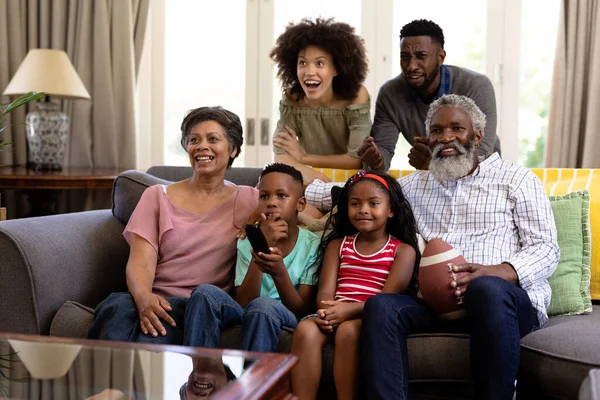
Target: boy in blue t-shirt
[(271, 290)]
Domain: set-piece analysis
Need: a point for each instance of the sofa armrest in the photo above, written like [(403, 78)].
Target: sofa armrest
[(46, 261)]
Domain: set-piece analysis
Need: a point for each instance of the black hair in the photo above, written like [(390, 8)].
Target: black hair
[(402, 225), (283, 169), (423, 27), (228, 120), (338, 39)]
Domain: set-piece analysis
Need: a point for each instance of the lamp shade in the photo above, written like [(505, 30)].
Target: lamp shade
[(49, 71), (46, 360)]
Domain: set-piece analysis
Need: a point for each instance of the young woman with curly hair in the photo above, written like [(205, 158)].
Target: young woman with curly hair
[(325, 109)]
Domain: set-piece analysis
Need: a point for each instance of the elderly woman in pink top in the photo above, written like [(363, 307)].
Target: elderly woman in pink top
[(181, 236)]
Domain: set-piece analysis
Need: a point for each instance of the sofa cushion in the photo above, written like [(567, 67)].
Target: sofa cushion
[(72, 320), (570, 282), (556, 359), (127, 191), (437, 361), (129, 185)]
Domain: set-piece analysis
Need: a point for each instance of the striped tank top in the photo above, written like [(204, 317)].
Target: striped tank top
[(362, 276)]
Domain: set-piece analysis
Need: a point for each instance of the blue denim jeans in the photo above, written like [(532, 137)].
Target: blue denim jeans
[(262, 322), (210, 310), (117, 319), (499, 314), (199, 319)]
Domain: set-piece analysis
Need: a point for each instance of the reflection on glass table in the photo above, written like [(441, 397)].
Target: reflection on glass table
[(38, 367), (209, 375)]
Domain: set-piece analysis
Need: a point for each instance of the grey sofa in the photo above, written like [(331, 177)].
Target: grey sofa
[(56, 269)]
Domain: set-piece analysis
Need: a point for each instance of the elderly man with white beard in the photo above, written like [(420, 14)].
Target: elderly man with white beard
[(498, 216)]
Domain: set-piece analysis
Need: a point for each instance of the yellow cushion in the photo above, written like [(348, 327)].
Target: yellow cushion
[(557, 181)]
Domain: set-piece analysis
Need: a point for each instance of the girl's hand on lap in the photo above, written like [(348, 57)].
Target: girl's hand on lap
[(338, 313), (151, 307), (324, 325)]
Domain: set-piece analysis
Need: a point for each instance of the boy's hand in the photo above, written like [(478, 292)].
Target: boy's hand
[(274, 228), (336, 313), (254, 218), (271, 264)]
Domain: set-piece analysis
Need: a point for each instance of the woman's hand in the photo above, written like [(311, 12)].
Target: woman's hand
[(309, 175), (151, 307), (286, 141)]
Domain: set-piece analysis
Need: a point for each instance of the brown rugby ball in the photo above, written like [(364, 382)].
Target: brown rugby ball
[(435, 276)]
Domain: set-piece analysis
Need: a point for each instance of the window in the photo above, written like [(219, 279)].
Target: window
[(205, 54), (464, 36), (536, 65), (216, 53)]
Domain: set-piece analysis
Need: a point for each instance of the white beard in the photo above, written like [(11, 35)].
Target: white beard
[(454, 167)]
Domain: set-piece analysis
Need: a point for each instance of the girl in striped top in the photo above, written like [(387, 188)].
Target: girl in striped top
[(371, 248)]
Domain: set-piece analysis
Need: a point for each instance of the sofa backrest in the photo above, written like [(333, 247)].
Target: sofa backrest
[(238, 175), (129, 185)]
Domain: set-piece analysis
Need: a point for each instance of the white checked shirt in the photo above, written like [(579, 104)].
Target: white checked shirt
[(499, 213)]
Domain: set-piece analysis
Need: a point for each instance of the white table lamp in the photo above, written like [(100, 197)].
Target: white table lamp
[(46, 360), (49, 71)]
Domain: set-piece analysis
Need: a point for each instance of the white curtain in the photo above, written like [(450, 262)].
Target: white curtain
[(104, 40), (574, 120), (93, 371)]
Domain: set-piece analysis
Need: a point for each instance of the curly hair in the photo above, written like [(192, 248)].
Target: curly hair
[(402, 225), (464, 103), (228, 120), (338, 39), (423, 27)]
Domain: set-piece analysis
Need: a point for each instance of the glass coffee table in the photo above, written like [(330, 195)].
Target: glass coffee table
[(43, 367)]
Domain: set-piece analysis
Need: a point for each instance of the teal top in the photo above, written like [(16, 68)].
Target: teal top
[(301, 263)]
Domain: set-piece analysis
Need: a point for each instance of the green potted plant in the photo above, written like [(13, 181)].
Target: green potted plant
[(7, 108), (7, 360)]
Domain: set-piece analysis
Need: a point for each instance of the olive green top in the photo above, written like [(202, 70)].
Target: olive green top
[(326, 131)]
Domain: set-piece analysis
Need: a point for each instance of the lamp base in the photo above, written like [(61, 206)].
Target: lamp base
[(43, 167), (47, 136)]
